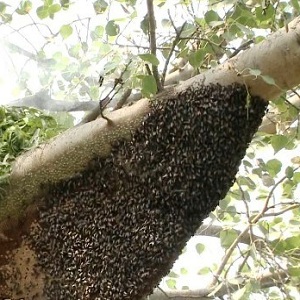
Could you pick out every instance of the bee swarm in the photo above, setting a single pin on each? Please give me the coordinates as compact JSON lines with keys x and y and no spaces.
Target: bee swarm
{"x":114,"y":230}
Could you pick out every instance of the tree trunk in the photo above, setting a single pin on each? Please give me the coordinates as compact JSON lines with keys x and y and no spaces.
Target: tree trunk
{"x":150,"y":183}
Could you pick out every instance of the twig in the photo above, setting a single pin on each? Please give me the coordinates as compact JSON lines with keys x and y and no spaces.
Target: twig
{"x":152,"y":40}
{"x":244,"y":46}
{"x":175,"y":42}
{"x":237,"y":240}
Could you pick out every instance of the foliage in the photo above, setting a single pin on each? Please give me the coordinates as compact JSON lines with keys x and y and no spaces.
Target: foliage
{"x":65,"y":46}
{"x":20,"y":130}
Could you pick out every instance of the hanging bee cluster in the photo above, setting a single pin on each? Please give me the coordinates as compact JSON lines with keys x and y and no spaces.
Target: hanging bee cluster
{"x":114,"y":230}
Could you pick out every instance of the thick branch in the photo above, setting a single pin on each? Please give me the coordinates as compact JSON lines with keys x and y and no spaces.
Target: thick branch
{"x":42,"y":100}
{"x":280,"y":51}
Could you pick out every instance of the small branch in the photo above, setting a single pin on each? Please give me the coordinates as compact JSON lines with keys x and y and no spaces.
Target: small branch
{"x":244,"y":46}
{"x":175,"y":42}
{"x":152,"y":38}
{"x":240,"y":236}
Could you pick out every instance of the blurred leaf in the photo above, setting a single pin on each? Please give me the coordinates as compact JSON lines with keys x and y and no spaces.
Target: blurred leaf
{"x":171,"y":283}
{"x":100,"y":6}
{"x":204,"y":271}
{"x":66,"y":31}
{"x":65,"y":4}
{"x":24,"y":7}
{"x":196,"y":58}
{"x":246,"y":181}
{"x":145,"y":24}
{"x":97,"y":32}
{"x":54,"y":8}
{"x":227,"y":237}
{"x":148,"y":85}
{"x":288,"y":189}
{"x":296,"y":5}
{"x":2,"y":7}
{"x":184,"y":271}
{"x":267,"y":180}
{"x":172,"y":274}
{"x":42,"y":12}
{"x":289,"y":172}
{"x":211,"y":16}
{"x":94,"y":92}
{"x":286,"y":244}
{"x":296,"y":177}
{"x":296,"y":160}
{"x":111,"y":28}
{"x":273,"y":166}
{"x":200,"y":248}
{"x":149,"y":58}
{"x":279,"y":142}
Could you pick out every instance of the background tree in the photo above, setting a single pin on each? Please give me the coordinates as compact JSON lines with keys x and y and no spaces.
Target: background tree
{"x":95,"y":45}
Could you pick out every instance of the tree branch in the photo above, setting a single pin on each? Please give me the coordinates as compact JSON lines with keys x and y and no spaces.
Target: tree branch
{"x":175,"y":42}
{"x":152,"y":38}
{"x":266,"y":280}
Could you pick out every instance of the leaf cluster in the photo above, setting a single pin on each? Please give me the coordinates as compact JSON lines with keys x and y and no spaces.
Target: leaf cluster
{"x":20,"y":130}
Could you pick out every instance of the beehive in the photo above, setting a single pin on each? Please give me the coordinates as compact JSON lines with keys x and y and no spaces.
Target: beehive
{"x":114,"y":230}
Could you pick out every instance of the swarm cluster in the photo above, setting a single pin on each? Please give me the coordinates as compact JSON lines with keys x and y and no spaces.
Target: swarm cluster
{"x":112,"y":231}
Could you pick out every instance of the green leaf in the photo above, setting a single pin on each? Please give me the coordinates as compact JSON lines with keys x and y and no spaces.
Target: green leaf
{"x":286,"y":245}
{"x":6,"y":18}
{"x":148,"y":85}
{"x":172,"y":274}
{"x":54,"y":8}
{"x":288,"y":189}
{"x":94,"y":92}
{"x":2,"y":7}
{"x":66,"y":31}
{"x":211,"y":16}
{"x":145,"y":24}
{"x":65,"y":4}
{"x":42,"y":12}
{"x":184,"y":271}
{"x":227,"y":237}
{"x":204,"y":271}
{"x":296,"y":177}
{"x":273,"y":166}
{"x":48,"y":2}
{"x":289,"y":172}
{"x":200,"y":248}
{"x":279,"y":142}
{"x":171,"y":283}
{"x":97,"y":32}
{"x":196,"y":58}
{"x":111,"y":28}
{"x":150,"y":58}
{"x":100,"y":6}
{"x":24,"y":8}
{"x":246,"y":181}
